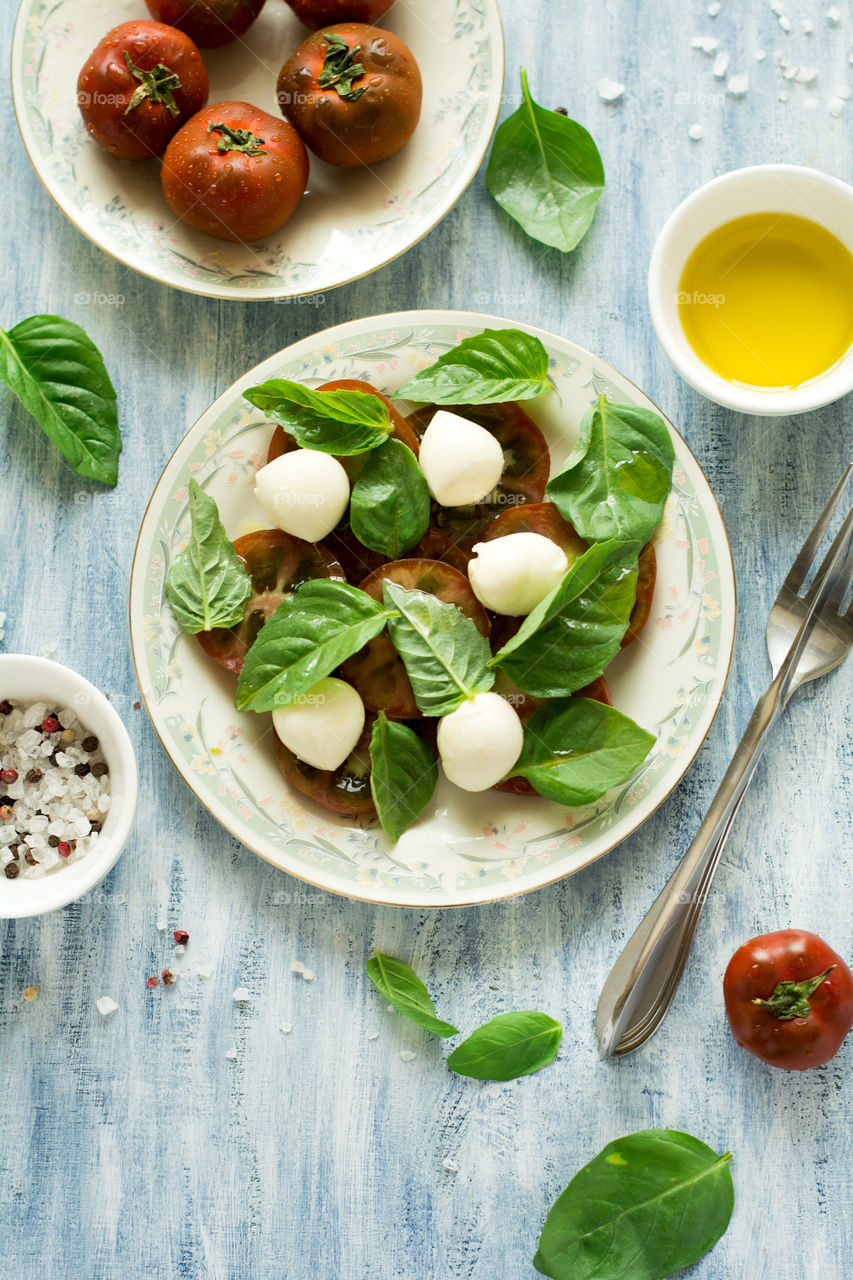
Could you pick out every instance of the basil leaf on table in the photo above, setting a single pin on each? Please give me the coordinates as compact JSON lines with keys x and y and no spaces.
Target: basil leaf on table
{"x":389,"y":504}
{"x":492,"y":366}
{"x":616,"y":482}
{"x":341,"y":422}
{"x":571,"y":635}
{"x":59,"y":376}
{"x":546,"y":173}
{"x":508,"y":1046}
{"x":208,"y":583}
{"x":403,"y":989}
{"x":647,"y":1206}
{"x":445,"y":656}
{"x":322,"y":624}
{"x":576,"y":749}
{"x":403,"y":774}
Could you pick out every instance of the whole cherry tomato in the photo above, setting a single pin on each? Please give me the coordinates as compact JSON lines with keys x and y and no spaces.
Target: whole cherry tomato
{"x":138,"y":86}
{"x":320,"y":13}
{"x":235,"y":172}
{"x":353,"y":92}
{"x":211,"y":23}
{"x":789,"y":999}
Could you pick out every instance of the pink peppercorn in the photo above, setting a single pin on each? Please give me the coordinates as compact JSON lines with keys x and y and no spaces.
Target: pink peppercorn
{"x":49,"y":725}
{"x":181,"y":937}
{"x":64,"y":849}
{"x":152,"y":982}
{"x":168,"y":977}
{"x":8,"y":775}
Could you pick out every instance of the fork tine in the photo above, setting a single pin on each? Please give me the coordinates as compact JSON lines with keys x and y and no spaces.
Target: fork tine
{"x":836,"y":561}
{"x":809,"y":549}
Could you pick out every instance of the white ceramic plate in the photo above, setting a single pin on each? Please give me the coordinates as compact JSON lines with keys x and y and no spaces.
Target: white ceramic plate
{"x":349,"y":223}
{"x":466,"y":848}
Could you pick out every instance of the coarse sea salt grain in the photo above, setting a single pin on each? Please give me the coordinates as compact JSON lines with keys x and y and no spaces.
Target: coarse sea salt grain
{"x":714,"y":8}
{"x":609,"y":90}
{"x":721,"y":65}
{"x":833,"y":15}
{"x":696,"y":132}
{"x":449,"y":1166}
{"x":241,"y":994}
{"x":406,"y":1055}
{"x":105,"y":1006}
{"x":231,"y":1054}
{"x":738,"y":85}
{"x":708,"y":44}
{"x":47,"y":805}
{"x":836,"y":107}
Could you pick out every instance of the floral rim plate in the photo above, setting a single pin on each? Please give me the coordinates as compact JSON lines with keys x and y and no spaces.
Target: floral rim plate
{"x":466,"y":848}
{"x":350,"y":223}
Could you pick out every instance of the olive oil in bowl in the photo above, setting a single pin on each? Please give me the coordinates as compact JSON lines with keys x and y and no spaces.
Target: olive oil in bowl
{"x":767,"y":300}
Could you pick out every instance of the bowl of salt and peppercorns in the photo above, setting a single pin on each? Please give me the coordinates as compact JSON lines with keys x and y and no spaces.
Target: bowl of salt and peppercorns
{"x":68,"y":785}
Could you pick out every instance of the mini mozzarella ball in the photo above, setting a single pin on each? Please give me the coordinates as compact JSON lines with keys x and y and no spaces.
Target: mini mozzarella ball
{"x":323,"y":725}
{"x":480,"y":741}
{"x":461,"y":460}
{"x":303,"y":492}
{"x":511,"y":575}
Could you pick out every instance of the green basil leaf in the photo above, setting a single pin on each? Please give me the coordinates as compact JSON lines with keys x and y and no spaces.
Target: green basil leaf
{"x":616,"y":482}
{"x":322,"y":624}
{"x":571,"y":635}
{"x":403,"y":989}
{"x":208,"y":584}
{"x":576,"y":749}
{"x":340,"y":422}
{"x":508,"y":1046}
{"x":445,"y":656}
{"x":647,"y":1206}
{"x":59,"y":376}
{"x":495,"y":365}
{"x":389,"y":505}
{"x":545,"y":171}
{"x":403,"y":774}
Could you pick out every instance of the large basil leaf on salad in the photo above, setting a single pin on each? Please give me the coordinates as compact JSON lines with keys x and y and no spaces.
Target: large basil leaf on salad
{"x":648,"y":1205}
{"x":403,"y":774}
{"x":321,"y":625}
{"x":341,"y":422}
{"x":492,"y":366}
{"x":208,"y":584}
{"x":403,"y":989}
{"x":571,"y":635}
{"x":58,"y":374}
{"x":545,"y":171}
{"x":616,"y":482}
{"x":445,"y":656}
{"x":508,"y":1046}
{"x":576,"y":749}
{"x":389,"y":505}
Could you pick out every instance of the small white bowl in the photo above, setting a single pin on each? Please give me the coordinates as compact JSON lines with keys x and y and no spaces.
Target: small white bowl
{"x":24,"y":679}
{"x":766,"y":188}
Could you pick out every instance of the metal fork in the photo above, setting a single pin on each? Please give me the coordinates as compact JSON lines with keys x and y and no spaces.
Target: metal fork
{"x":807,"y":636}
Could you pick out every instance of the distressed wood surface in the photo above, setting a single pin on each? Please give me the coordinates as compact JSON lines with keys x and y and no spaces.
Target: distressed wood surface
{"x":135,"y":1146}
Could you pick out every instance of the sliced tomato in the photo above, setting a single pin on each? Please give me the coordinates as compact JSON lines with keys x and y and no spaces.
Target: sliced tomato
{"x":283,"y":443}
{"x":345,"y":790}
{"x":525,"y":704}
{"x":647,"y":573}
{"x":278,"y":563}
{"x":377,"y":670}
{"x":542,"y":518}
{"x":436,"y":544}
{"x":527,"y":464}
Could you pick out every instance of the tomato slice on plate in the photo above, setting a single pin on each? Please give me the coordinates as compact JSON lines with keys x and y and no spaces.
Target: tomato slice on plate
{"x":525,"y":704}
{"x":345,"y":790}
{"x":542,"y":518}
{"x":377,"y":670}
{"x":283,"y":443}
{"x":437,"y":545}
{"x":647,"y":573}
{"x":278,"y":563}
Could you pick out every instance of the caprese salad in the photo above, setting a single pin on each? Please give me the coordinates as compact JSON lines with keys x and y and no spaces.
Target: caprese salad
{"x":428,"y":593}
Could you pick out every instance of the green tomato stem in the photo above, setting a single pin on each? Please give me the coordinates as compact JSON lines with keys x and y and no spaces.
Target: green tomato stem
{"x":791,"y":999}
{"x":340,"y":68}
{"x":157,"y":85}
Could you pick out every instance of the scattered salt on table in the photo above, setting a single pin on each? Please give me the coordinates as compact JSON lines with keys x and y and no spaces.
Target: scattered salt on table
{"x":231,"y":1054}
{"x":738,"y":85}
{"x":105,"y":1006}
{"x":609,"y":90}
{"x":241,"y":994}
{"x":696,"y":132}
{"x":721,"y":65}
{"x":449,"y":1166}
{"x":406,"y":1055}
{"x":286,"y":1028}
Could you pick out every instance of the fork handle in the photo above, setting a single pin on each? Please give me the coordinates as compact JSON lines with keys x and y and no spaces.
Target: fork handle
{"x":643,"y":981}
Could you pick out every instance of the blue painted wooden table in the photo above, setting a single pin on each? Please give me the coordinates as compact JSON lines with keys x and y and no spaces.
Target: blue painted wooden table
{"x":321,"y":1148}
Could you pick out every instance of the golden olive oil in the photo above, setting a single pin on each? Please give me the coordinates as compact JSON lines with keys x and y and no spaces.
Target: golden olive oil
{"x":767,"y":300}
